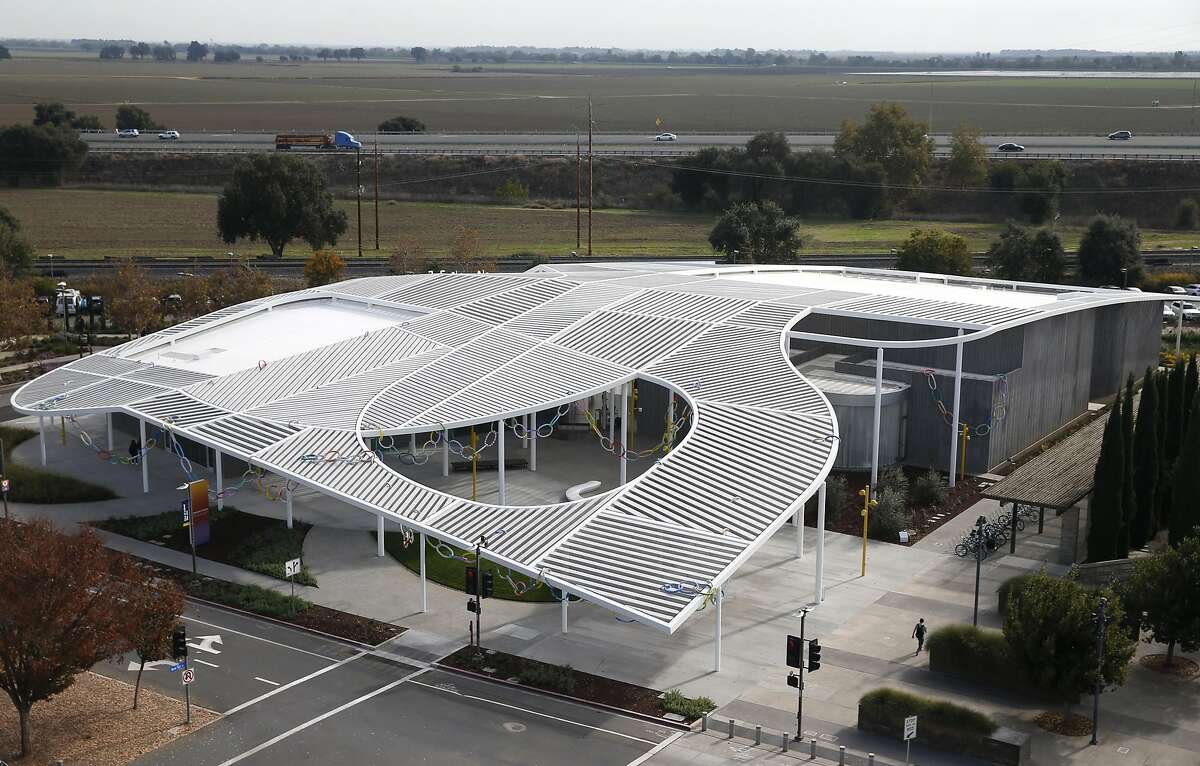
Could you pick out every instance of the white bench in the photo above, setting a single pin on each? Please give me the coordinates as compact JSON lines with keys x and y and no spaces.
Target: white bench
{"x":576,"y":492}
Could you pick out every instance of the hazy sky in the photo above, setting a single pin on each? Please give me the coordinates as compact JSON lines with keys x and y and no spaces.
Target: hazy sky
{"x":895,"y":25}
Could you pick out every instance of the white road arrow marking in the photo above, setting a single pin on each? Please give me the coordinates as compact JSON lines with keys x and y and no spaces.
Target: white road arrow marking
{"x":152,"y":665}
{"x":206,"y":644}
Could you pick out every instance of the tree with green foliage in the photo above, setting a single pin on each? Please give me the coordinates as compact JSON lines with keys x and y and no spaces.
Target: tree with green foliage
{"x":324,"y":267}
{"x":16,"y":255}
{"x":1128,"y":498}
{"x":1105,"y":509}
{"x":1164,"y":589}
{"x":419,"y":54}
{"x":112,"y":52}
{"x":164,"y":52}
{"x":1146,"y":456}
{"x":38,"y":153}
{"x":139,"y":50}
{"x":1040,"y":186}
{"x":54,"y":113}
{"x":1027,"y":256}
{"x":968,"y":163}
{"x":769,"y":144}
{"x":131,"y":117}
{"x":1187,"y":214}
{"x":1050,"y":630}
{"x":1110,"y":244}
{"x":197,"y":51}
{"x":1176,"y":416}
{"x":278,"y":199}
{"x":934,"y":251}
{"x":1185,"y":490}
{"x":756,"y":232}
{"x":401,"y":124}
{"x":892,"y":139}
{"x":4,"y":53}
{"x":1191,"y":379}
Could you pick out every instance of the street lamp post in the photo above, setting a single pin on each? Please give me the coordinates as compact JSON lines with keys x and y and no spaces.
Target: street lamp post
{"x":1124,"y":277}
{"x":1101,"y":620}
{"x":979,"y":523}
{"x":51,"y":257}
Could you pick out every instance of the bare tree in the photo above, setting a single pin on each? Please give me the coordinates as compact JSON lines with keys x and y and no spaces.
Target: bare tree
{"x":407,"y":256}
{"x":465,"y":248}
{"x":132,"y":300}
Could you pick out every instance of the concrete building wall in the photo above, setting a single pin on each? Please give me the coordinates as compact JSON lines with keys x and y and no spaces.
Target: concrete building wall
{"x":1130,"y":343}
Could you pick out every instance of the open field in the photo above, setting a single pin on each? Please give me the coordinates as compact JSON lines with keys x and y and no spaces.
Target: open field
{"x":357,"y":96}
{"x":95,"y":224}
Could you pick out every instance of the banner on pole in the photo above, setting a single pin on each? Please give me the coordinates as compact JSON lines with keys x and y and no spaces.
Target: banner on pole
{"x":198,"y":503}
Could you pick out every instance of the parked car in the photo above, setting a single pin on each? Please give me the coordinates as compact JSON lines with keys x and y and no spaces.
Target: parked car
{"x":1120,"y":135}
{"x":1175,"y":290}
{"x":666,"y":137}
{"x":169,"y":135}
{"x":1192,"y":289}
{"x":1010,"y":147}
{"x":1132,"y":289}
{"x":128,"y":133}
{"x":1168,"y":314}
{"x":1190,"y":312}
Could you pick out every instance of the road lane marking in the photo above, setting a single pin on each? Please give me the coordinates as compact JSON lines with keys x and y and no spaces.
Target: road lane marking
{"x":266,"y":681}
{"x":204,"y":662}
{"x":655,"y":750}
{"x":442,"y":689}
{"x":290,"y":684}
{"x":322,"y":717}
{"x":258,"y":638}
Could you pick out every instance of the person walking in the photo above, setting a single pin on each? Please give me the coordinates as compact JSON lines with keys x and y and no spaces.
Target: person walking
{"x":135,"y":451}
{"x":919,"y":634}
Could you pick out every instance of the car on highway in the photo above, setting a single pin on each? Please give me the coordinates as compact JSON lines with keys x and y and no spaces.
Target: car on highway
{"x":1010,"y":147}
{"x":169,"y":135}
{"x":1175,"y":290}
{"x":1120,"y":135}
{"x":1192,"y":289}
{"x":666,"y":137}
{"x":127,"y":133}
{"x":1191,"y":313}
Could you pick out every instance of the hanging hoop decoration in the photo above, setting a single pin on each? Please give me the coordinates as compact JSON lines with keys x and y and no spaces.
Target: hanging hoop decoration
{"x":262,"y":364}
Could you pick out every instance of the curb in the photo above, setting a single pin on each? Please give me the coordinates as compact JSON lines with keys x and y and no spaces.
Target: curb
{"x":566,"y":697}
{"x":292,"y":625}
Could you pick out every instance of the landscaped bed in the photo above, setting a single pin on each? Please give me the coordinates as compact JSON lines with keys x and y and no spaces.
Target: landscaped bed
{"x":241,"y":539}
{"x":451,"y":572}
{"x":564,"y":679}
{"x":280,"y":606}
{"x":38,"y":486}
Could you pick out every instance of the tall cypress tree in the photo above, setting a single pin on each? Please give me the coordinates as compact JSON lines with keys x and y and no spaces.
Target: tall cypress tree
{"x":1185,"y":494}
{"x":1175,"y":414}
{"x":1160,"y":379}
{"x":1104,"y":510}
{"x":1190,"y":379}
{"x":1128,"y":502}
{"x":1146,"y":451}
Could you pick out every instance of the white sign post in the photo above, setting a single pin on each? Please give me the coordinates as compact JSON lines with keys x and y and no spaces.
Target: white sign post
{"x":910,"y":733}
{"x":291,"y":568}
{"x":189,"y":676}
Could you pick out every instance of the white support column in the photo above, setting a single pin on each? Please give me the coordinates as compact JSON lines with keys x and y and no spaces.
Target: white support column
{"x":624,"y":432}
{"x":525,"y":438}
{"x":1178,"y":333}
{"x":533,"y":440}
{"x":612,"y":414}
{"x":875,"y":430}
{"x":289,"y":507}
{"x":379,"y":551}
{"x":424,"y":590}
{"x":446,"y":452}
{"x":412,"y":443}
{"x":958,"y":361}
{"x":108,"y":425}
{"x":42,"y":437}
{"x":798,"y":520}
{"x":819,"y":583}
{"x":565,"y":600}
{"x":500,"y":460}
{"x":145,"y":456}
{"x":220,"y":483}
{"x":717,"y":599}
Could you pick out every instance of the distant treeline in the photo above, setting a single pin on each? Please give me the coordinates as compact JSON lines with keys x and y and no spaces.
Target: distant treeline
{"x":1014,"y":59}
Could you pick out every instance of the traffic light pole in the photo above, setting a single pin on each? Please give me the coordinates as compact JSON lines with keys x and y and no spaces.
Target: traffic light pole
{"x":800,"y":684}
{"x":482,"y":541}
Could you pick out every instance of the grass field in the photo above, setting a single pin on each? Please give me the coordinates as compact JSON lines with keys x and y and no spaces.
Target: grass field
{"x":357,"y":96}
{"x":94,"y":224}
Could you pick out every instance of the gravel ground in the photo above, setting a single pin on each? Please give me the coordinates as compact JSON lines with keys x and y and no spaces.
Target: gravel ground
{"x":93,"y":724}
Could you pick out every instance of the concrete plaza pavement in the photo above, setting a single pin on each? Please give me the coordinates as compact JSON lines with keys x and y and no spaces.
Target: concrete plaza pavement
{"x":864,"y":623}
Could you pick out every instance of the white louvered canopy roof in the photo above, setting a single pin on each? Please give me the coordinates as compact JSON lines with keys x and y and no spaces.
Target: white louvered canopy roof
{"x":435,"y":351}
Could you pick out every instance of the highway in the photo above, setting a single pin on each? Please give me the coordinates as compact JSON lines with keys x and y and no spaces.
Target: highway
{"x":1080,"y":146}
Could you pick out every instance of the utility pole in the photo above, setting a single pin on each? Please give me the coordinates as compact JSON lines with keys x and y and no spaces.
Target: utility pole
{"x":358,"y":194}
{"x":590,"y":186}
{"x":376,"y":191}
{"x":578,"y":195}
{"x":980,"y":523}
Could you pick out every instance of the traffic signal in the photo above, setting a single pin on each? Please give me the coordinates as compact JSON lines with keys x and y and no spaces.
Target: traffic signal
{"x":488,"y":584}
{"x":472,"y":606}
{"x":793,"y":680}
{"x":814,"y":656}
{"x":471,"y":583}
{"x":795,"y":652}
{"x":179,"y":643}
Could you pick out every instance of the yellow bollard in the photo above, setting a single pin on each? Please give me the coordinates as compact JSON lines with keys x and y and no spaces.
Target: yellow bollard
{"x":966,"y":437}
{"x":868,"y":504}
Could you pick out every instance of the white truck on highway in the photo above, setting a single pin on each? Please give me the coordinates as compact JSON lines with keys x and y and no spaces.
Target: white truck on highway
{"x":337,"y":141}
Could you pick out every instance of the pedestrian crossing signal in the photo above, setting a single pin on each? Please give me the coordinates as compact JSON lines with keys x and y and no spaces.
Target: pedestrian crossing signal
{"x":795,"y":652}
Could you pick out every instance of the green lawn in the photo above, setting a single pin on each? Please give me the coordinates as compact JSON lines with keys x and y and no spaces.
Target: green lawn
{"x":451,"y":572}
{"x":38,"y":486}
{"x":244,"y":540}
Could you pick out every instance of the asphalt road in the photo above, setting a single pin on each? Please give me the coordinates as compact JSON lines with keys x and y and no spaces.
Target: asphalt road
{"x":434,"y":143}
{"x":289,"y":696}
